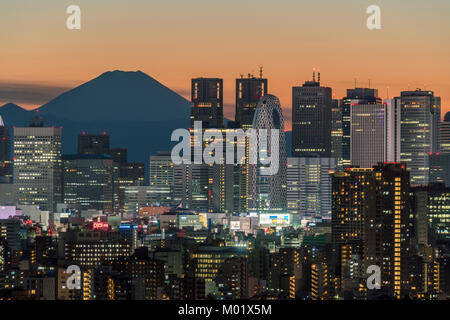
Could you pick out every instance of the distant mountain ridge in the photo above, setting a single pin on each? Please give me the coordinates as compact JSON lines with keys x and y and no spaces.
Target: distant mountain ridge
{"x":119,"y":96}
{"x":138,"y":113}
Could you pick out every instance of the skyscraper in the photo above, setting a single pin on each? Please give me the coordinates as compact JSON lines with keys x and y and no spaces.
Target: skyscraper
{"x":309,"y":186}
{"x":311,"y":120}
{"x":88,"y":181}
{"x":93,"y":143}
{"x":162,"y":178}
{"x":445,"y":134}
{"x":207,"y":102}
{"x":248,"y":92}
{"x":267,"y":190}
{"x":5,"y":156}
{"x":336,"y":131}
{"x":368,"y":137}
{"x":371,"y":220}
{"x":352,"y":94}
{"x":420,"y":120}
{"x":37,"y":165}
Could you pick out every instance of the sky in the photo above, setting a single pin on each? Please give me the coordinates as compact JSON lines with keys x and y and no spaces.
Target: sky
{"x":176,"y":40}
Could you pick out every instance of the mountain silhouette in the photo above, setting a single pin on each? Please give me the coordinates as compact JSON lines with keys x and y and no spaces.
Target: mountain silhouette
{"x":138,"y":113}
{"x":119,"y":96}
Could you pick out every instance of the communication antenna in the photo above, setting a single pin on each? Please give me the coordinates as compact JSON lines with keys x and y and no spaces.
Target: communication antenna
{"x":261,"y":71}
{"x":318,"y":75}
{"x":314,"y":74}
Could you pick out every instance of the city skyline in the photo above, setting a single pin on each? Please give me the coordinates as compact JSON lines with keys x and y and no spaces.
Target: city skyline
{"x":304,"y":35}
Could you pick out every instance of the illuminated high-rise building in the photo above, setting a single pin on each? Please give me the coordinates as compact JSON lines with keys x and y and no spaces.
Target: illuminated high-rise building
{"x":352,"y":94}
{"x":368,"y":133}
{"x":162,"y":178}
{"x":5,"y":156}
{"x":420,"y":120}
{"x":37,"y":165}
{"x":267,"y":186}
{"x":311,"y":120}
{"x":336,"y":132}
{"x":309,"y":186}
{"x":207,"y":102}
{"x":88,"y":181}
{"x":445,"y":134}
{"x":371,"y":221}
{"x":248,"y":92}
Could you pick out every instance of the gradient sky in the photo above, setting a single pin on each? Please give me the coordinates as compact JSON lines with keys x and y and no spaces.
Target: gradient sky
{"x":175,"y":40}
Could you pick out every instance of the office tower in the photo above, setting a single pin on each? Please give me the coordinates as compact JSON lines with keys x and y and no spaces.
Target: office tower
{"x":119,"y":155}
{"x":89,"y":249}
{"x":434,"y":210}
{"x":229,"y":182}
{"x":311,"y":120}
{"x":420,"y":119}
{"x":137,"y":197}
{"x":88,"y":181}
{"x":445,"y":134}
{"x":388,"y":228}
{"x":368,"y":136}
{"x":370,"y":221}
{"x":194,"y":186}
{"x":336,"y":131}
{"x":37,"y":165}
{"x":130,"y":174}
{"x":439,"y":168}
{"x":207,"y":102}
{"x":126,"y":174}
{"x":5,"y":156}
{"x":309,"y":186}
{"x":267,"y":188}
{"x":93,"y":143}
{"x":352,"y":94}
{"x":10,"y":231}
{"x":248,"y":92}
{"x":162,"y":179}
{"x":393,"y":115}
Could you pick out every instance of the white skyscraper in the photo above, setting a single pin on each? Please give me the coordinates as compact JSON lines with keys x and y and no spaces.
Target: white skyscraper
{"x":37,"y":166}
{"x":368,"y":138}
{"x":267,"y":192}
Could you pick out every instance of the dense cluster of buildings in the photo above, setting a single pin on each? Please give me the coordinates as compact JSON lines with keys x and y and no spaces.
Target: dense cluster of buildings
{"x":367,"y":185}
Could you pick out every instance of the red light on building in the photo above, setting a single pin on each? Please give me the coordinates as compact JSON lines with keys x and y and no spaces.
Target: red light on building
{"x":102,"y":226}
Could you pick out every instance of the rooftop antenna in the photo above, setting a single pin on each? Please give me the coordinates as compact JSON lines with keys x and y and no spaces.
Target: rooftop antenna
{"x":261,"y":71}
{"x":318,"y":76}
{"x":242,"y":75}
{"x":314,"y":74}
{"x":249,"y":75}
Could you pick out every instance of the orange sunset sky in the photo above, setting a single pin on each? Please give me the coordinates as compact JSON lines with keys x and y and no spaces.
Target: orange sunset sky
{"x":175,"y":40}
